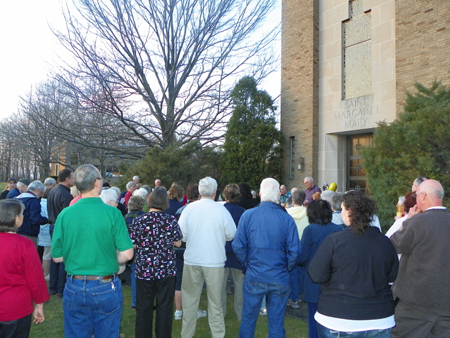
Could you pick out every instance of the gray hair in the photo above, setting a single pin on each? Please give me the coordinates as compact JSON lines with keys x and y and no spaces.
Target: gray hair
{"x":136,"y":203}
{"x":207,"y":186}
{"x":336,"y":201}
{"x":327,"y":195}
{"x":74,"y":191}
{"x":20,"y":184}
{"x":419,"y":180}
{"x":146,"y":187}
{"x":140,"y":192}
{"x":117,"y":190}
{"x":49,"y":181}
{"x":135,"y":178}
{"x":298,"y":197}
{"x":36,"y":186}
{"x":85,"y":177}
{"x":130,"y":185}
{"x":108,"y":195}
{"x":269,"y":190}
{"x":310,"y":179}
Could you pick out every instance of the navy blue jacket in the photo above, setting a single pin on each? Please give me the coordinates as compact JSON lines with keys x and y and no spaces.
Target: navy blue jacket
{"x":266,"y":243}
{"x":13,"y":193}
{"x":312,"y":238}
{"x":32,"y":219}
{"x":236,"y":212}
{"x":174,"y":205}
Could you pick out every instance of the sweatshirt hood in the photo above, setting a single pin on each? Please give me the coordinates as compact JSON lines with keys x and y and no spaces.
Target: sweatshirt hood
{"x":297,"y":212}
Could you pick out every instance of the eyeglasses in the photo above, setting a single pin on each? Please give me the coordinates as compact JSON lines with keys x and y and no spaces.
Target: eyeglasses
{"x":418,"y":193}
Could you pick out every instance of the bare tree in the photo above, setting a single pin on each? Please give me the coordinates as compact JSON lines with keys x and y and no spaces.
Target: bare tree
{"x":172,"y":62}
{"x":7,"y":150}
{"x":41,"y":111}
{"x":57,"y":127}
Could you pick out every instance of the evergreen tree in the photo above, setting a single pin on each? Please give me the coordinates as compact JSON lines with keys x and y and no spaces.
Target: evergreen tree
{"x":252,"y":148}
{"x":416,"y":144}
{"x":183,"y":164}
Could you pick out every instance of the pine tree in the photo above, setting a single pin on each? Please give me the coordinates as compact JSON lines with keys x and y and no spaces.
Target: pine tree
{"x":252,"y":148}
{"x":416,"y":144}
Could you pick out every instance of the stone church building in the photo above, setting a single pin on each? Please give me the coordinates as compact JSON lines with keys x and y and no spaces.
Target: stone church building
{"x":345,"y":65}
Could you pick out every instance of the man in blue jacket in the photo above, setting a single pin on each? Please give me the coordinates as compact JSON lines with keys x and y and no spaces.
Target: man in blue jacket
{"x":267,"y":245}
{"x":32,"y":219}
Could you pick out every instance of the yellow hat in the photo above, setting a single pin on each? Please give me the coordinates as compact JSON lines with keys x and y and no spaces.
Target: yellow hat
{"x":333,"y":187}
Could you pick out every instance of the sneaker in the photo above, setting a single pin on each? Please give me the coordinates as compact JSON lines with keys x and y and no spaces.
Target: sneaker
{"x":201,"y":314}
{"x":263,"y":312}
{"x":178,"y":315}
{"x":47,"y":278}
{"x":293,"y":303}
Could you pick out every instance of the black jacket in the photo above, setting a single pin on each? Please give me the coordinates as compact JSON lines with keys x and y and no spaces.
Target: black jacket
{"x":355,"y":272}
{"x":58,"y":199}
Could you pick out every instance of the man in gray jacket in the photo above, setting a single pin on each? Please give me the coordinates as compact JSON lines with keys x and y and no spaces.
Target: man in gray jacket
{"x":423,"y":282}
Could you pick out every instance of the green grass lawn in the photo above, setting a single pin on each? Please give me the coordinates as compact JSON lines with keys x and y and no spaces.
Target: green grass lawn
{"x":52,"y":327}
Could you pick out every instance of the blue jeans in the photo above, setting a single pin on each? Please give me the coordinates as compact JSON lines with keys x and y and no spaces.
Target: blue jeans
{"x":92,"y":308}
{"x":277,"y":296}
{"x":328,"y":333}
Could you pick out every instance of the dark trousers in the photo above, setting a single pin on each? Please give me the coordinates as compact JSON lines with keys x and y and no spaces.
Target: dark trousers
{"x":57,"y":278}
{"x":312,"y":324}
{"x":57,"y":273}
{"x":146,"y":292}
{"x":413,"y":321}
{"x":19,"y":328}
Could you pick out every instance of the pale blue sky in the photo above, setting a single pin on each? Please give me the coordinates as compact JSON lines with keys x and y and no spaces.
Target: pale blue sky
{"x":28,"y":48}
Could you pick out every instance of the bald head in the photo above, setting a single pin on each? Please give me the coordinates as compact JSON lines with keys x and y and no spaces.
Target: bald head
{"x":429,"y":194}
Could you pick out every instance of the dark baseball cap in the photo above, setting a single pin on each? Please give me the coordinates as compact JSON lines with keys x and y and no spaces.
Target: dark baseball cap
{"x":25,"y":181}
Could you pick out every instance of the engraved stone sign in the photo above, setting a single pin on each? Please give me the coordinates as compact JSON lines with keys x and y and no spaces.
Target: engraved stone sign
{"x":357,"y":113}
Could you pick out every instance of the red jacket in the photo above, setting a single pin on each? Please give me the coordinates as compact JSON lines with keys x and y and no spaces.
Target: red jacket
{"x":22,"y":280}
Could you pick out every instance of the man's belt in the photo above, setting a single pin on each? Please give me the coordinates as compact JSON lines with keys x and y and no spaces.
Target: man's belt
{"x":103,"y":278}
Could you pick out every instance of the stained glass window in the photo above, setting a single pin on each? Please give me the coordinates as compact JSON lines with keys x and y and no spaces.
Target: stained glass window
{"x":357,"y":52}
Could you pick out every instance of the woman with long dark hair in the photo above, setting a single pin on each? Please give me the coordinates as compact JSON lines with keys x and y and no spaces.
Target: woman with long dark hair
{"x":355,"y":267}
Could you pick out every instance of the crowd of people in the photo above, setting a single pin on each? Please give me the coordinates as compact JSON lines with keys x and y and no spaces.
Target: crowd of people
{"x":279,"y":248}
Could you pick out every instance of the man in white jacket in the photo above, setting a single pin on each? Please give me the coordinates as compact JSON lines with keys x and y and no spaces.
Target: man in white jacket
{"x":206,"y":226}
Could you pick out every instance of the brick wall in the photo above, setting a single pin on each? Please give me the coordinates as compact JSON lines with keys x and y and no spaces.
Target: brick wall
{"x":299,"y":86}
{"x":422,"y":44}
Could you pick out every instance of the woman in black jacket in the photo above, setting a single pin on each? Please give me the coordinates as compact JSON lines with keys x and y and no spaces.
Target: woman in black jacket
{"x":355,"y":267}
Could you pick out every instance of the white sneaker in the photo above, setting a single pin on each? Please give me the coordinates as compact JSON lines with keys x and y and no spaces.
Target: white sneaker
{"x":201,"y":314}
{"x":263,"y":312}
{"x":47,"y":278}
{"x":178,"y":315}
